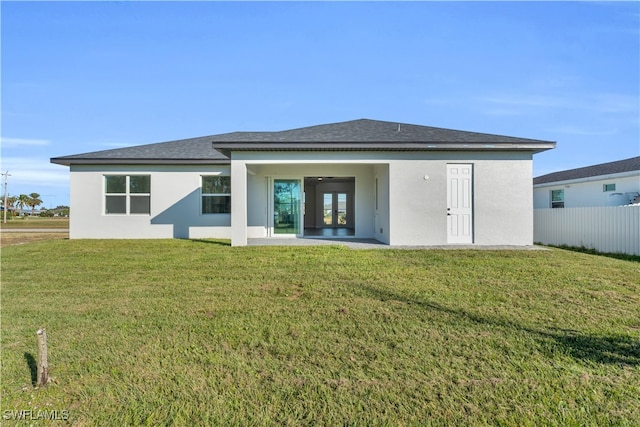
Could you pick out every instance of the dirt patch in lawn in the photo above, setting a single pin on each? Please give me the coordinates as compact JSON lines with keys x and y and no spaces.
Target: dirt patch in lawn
{"x":10,"y":239}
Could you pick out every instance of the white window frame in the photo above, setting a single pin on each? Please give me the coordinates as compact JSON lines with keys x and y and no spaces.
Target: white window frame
{"x":609,"y":187}
{"x":127,"y":194}
{"x":557,"y":203}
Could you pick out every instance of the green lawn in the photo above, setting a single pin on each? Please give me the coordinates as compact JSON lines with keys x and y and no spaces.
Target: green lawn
{"x":35,"y":222}
{"x":179,"y":332}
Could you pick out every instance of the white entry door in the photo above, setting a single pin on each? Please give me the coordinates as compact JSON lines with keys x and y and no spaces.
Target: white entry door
{"x":460,"y":203}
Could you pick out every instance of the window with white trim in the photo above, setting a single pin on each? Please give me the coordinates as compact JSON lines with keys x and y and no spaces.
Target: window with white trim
{"x":608,"y":187}
{"x":127,"y":194}
{"x":557,"y":198}
{"x":216,"y":194}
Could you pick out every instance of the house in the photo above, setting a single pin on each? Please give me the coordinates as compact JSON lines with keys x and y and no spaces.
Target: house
{"x":400,"y":184}
{"x":606,"y":184}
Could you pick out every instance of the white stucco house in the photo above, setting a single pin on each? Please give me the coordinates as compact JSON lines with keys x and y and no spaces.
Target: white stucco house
{"x":398,"y":183}
{"x":606,"y":184}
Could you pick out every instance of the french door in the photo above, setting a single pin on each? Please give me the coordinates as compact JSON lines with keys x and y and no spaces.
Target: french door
{"x":334,"y":205}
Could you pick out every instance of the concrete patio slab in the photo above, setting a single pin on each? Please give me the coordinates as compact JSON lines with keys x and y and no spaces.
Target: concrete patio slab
{"x":354,"y":243}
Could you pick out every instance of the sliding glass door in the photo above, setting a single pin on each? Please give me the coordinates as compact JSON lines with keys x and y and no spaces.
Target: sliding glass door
{"x":287,"y":203}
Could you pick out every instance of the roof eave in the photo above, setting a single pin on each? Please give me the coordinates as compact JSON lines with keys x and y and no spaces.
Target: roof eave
{"x":88,"y":161}
{"x":227,"y":148}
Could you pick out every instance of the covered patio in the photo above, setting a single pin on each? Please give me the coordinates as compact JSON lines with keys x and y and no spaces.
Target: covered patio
{"x":311,"y":195}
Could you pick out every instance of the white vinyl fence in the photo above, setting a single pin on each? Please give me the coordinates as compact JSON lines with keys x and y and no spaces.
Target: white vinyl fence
{"x":614,"y":229}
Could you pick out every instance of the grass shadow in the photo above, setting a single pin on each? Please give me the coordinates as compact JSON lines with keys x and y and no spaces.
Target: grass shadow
{"x":621,"y":350}
{"x":212,"y":241}
{"x":589,"y":251}
{"x":33,"y":367}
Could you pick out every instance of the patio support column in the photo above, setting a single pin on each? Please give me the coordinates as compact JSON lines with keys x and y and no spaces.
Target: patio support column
{"x":238,"y":203}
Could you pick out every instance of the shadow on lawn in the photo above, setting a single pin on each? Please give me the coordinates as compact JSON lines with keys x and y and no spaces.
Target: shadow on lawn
{"x":33,"y":368}
{"x":213,"y":242}
{"x":615,"y":255}
{"x":622,"y":350}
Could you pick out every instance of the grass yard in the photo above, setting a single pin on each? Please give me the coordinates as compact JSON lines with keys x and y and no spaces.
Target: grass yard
{"x":35,"y":222}
{"x":179,"y":332}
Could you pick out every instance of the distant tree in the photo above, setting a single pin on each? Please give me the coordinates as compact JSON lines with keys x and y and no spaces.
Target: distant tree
{"x":23,"y":200}
{"x":34,"y":201}
{"x":62,"y":210}
{"x":11,"y":204}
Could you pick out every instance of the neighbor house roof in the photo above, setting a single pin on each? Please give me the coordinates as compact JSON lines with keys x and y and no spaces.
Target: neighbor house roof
{"x":360,"y":135}
{"x":620,"y":166}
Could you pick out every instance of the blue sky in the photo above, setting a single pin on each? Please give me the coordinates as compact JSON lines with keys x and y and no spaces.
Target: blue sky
{"x":87,"y":76}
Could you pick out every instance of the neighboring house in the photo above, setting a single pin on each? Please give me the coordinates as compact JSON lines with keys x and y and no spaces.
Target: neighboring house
{"x":398,"y":183}
{"x":606,"y":184}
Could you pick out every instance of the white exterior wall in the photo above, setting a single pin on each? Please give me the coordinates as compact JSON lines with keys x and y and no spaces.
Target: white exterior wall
{"x":418,"y":207}
{"x":406,"y":209}
{"x":175,"y":204}
{"x":381,"y":203}
{"x":502,"y":198}
{"x":411,"y":210}
{"x":589,"y":191}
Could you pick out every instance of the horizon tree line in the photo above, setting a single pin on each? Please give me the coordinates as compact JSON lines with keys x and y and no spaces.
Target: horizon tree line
{"x":21,"y":201}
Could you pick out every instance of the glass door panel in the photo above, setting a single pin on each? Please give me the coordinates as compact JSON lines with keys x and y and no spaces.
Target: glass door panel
{"x":286,"y":206}
{"x":341,"y":209}
{"x":328,"y":209}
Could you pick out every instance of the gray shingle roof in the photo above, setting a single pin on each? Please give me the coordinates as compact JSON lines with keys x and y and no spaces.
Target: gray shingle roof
{"x":626,"y":165}
{"x":193,"y":150}
{"x":365,"y":134}
{"x":362,"y":134}
{"x":365,"y":130}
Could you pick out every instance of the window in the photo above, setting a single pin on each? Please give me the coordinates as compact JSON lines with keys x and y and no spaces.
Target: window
{"x":216,"y":194}
{"x":127,"y":194}
{"x":608,"y":187}
{"x":557,"y":198}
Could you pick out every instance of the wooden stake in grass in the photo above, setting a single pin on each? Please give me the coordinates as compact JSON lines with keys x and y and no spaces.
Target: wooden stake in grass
{"x":43,"y":365}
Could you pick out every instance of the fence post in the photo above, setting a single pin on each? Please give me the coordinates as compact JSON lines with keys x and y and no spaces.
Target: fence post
{"x":43,"y":365}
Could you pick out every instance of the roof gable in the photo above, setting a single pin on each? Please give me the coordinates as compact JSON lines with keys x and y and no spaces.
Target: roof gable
{"x":620,"y":166}
{"x":362,"y":134}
